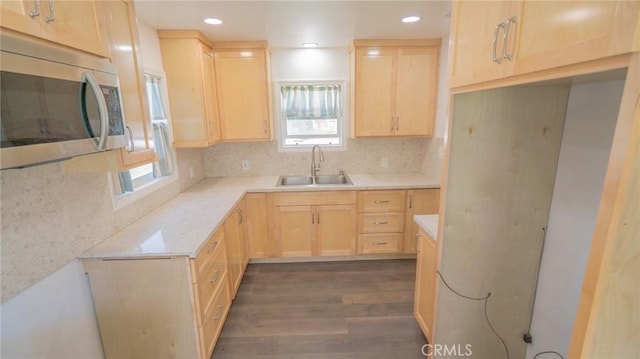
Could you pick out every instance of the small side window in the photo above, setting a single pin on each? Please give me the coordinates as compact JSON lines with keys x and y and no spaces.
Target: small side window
{"x":138,"y":177}
{"x":311,"y":114}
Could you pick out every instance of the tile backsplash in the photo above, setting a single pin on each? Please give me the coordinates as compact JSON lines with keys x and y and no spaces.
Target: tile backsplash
{"x":407,"y":155}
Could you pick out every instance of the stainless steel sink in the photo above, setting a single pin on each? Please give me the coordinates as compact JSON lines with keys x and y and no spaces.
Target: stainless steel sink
{"x":319,"y":180}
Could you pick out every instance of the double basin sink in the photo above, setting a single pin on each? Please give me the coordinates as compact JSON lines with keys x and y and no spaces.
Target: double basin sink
{"x":319,"y":180}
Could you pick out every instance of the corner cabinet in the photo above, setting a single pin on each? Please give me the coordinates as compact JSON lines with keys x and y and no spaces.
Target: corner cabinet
{"x":395,"y":87}
{"x":124,"y":46}
{"x":494,"y":40}
{"x":76,"y":24}
{"x":171,"y":307}
{"x":419,"y":201}
{"x":235,"y":233}
{"x":426,"y":283}
{"x":314,"y":223}
{"x":187,"y":58}
{"x":243,"y":85}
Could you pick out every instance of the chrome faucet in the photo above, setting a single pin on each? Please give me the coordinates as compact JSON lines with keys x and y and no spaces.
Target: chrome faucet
{"x":315,"y":166}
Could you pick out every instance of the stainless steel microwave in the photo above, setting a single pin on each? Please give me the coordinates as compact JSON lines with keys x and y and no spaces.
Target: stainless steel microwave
{"x":55,"y":104}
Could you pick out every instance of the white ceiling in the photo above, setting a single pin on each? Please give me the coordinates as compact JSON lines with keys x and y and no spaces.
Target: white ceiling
{"x":291,"y":23}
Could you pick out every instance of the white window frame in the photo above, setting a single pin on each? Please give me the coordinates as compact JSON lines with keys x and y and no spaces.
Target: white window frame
{"x":343,"y":127}
{"x":120,"y":200}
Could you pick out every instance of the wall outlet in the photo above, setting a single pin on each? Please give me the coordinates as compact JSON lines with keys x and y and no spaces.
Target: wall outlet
{"x":384,"y":162}
{"x":245,"y":165}
{"x":192,"y":172}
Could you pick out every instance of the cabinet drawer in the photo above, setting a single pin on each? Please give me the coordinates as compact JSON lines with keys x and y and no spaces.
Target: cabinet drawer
{"x":380,"y":222}
{"x":379,"y":243}
{"x":381,"y":201}
{"x":210,"y":280}
{"x":209,"y":252}
{"x":314,"y":198}
{"x":210,"y":331}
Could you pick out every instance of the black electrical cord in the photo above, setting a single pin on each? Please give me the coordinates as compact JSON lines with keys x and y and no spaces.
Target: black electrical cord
{"x":486,"y":316}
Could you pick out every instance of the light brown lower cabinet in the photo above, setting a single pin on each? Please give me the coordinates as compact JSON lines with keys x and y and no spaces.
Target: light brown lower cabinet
{"x":380,"y":221}
{"x":419,"y":201}
{"x":426,"y":283}
{"x":162,"y":307}
{"x":235,"y":233}
{"x":309,"y":224}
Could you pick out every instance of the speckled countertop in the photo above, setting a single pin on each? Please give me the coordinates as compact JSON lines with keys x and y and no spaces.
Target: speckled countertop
{"x":181,"y":226}
{"x":428,"y":222}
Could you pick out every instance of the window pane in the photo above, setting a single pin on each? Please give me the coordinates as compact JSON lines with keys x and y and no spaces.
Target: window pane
{"x":311,"y":114}
{"x":312,"y":127}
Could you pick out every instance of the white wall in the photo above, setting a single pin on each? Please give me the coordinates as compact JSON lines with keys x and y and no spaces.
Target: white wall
{"x":588,"y":132}
{"x":54,"y":319}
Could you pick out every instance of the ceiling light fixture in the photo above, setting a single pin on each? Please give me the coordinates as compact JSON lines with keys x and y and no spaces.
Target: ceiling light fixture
{"x":409,"y":19}
{"x":213,"y":21}
{"x":310,"y":44}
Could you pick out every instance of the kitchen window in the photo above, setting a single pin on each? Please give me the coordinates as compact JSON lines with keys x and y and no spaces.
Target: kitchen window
{"x":311,"y":114}
{"x":133,"y":180}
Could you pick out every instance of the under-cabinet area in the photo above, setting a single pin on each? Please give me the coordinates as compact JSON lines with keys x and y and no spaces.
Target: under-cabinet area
{"x":360,"y":222}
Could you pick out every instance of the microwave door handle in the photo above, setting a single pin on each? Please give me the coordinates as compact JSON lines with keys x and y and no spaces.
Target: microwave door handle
{"x":102,"y":108}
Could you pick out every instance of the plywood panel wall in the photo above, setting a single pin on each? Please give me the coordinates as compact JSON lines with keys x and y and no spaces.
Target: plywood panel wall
{"x":501,"y":170}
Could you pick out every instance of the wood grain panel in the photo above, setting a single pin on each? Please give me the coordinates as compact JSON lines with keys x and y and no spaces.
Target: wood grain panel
{"x":501,"y":170}
{"x":118,"y":299}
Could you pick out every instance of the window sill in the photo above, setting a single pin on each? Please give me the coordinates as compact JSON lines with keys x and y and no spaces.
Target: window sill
{"x":121,"y":201}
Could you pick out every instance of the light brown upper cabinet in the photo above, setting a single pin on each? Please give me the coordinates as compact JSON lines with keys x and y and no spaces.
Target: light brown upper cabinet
{"x":187,"y":58}
{"x":496,"y":39}
{"x":76,"y":24}
{"x":243,"y":85}
{"x":124,"y":46}
{"x":394,"y":87}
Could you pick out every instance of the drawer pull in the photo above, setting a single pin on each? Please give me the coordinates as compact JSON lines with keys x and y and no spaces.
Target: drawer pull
{"x":213,"y":247}
{"x":217,"y":317}
{"x":217,"y":276}
{"x":377,"y":201}
{"x":385,"y":222}
{"x":380,"y":243}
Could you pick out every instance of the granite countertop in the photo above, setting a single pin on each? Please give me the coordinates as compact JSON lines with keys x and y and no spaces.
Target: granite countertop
{"x":181,"y":226}
{"x":429,"y":223}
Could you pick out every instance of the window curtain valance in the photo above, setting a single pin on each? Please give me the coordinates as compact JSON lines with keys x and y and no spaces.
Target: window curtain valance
{"x":306,"y":102}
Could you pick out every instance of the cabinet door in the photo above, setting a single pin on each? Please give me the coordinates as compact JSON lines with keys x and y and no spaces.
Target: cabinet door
{"x":258,"y":239}
{"x":182,"y":59}
{"x":335,"y":230}
{"x":425,"y":294}
{"x":77,"y":24}
{"x":234,"y":228}
{"x":557,"y":33}
{"x":422,"y":201}
{"x":295,"y":230}
{"x":126,"y":54}
{"x":242,"y":82}
{"x":17,"y":15}
{"x":472,"y":30}
{"x":416,"y":87}
{"x":209,"y":94}
{"x":375,"y":92}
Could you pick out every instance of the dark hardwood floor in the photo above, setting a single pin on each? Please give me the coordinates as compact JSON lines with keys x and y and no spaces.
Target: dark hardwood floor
{"x":356,"y":309}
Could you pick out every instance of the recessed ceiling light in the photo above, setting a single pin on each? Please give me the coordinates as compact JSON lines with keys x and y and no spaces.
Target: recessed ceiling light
{"x":213,"y":21}
{"x":411,"y":19}
{"x":310,"y":44}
